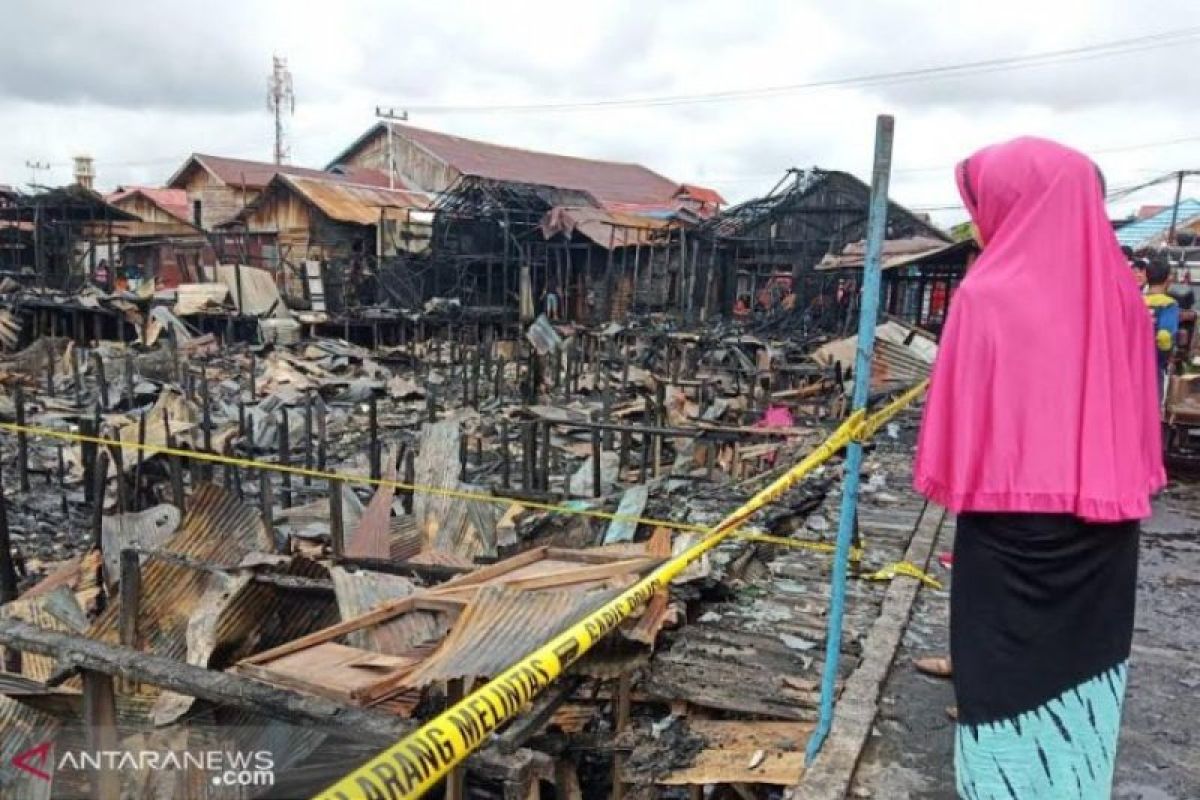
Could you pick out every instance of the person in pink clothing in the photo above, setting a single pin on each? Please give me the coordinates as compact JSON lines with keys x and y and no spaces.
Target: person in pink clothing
{"x":1041,"y":433}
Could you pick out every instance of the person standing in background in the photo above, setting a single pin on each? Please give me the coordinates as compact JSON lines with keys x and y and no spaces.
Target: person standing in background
{"x":1164,"y":310}
{"x":1041,"y":432}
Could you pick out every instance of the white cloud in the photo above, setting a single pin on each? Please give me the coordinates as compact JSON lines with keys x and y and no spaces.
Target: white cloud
{"x":140,"y":86}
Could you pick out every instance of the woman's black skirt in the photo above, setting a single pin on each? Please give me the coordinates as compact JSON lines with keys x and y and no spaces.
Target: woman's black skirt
{"x":1041,"y":620}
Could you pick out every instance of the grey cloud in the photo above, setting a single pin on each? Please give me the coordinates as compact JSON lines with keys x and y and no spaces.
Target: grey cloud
{"x":130,"y":56}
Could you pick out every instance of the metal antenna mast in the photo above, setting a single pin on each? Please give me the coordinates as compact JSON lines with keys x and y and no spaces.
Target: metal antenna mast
{"x":280,"y":99}
{"x":34,"y":168}
{"x":390,"y":115}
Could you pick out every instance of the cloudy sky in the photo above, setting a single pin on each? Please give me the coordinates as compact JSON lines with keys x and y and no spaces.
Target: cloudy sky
{"x":139,"y":86}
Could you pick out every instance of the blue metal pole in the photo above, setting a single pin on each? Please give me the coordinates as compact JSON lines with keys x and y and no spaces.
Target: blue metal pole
{"x":867,"y":318}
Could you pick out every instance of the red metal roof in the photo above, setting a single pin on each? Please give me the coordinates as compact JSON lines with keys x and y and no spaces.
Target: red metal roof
{"x":702,"y":194}
{"x":172,"y":201}
{"x":242,"y":172}
{"x":605,"y":180}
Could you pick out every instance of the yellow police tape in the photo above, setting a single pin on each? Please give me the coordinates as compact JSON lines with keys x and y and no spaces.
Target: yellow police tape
{"x":417,"y":762}
{"x":872,"y":424}
{"x":307,"y":472}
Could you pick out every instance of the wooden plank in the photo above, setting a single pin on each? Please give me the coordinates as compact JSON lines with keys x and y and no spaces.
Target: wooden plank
{"x":598,"y":572}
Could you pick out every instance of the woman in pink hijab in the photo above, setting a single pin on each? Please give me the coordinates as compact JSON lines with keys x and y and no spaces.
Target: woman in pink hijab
{"x":1041,"y":432}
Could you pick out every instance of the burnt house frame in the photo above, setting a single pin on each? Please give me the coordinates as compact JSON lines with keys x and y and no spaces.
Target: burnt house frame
{"x":52,"y":236}
{"x":785,"y":233}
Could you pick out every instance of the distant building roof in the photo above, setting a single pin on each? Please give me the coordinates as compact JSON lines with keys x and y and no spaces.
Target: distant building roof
{"x":172,"y":201}
{"x":341,"y":200}
{"x":1153,"y":230}
{"x":604,"y":180}
{"x":1145,"y":212}
{"x":257,"y":174}
{"x":701,"y":193}
{"x":896,"y":252}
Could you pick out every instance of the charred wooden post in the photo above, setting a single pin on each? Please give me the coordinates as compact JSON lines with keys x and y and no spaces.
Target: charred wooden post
{"x":462,"y":457}
{"x":527,"y":446}
{"x":544,"y":455}
{"x":50,"y":369}
{"x":233,"y":478}
{"x":266,"y":502}
{"x":322,"y":434}
{"x":22,"y":439}
{"x":173,"y":351}
{"x":250,"y":374}
{"x":606,"y":417}
{"x":410,"y":477}
{"x":130,"y":599}
{"x":174,"y":466}
{"x":337,"y":525}
{"x":430,"y":404}
{"x":623,"y":453}
{"x":87,"y":453}
{"x":117,"y":456}
{"x":129,"y":383}
{"x":620,"y":723}
{"x":100,"y":721}
{"x":206,"y":422}
{"x":373,"y":431}
{"x":308,"y":436}
{"x":596,"y":463}
{"x":100,"y":479}
{"x":625,"y":364}
{"x":476,"y":368}
{"x":8,"y":578}
{"x":101,"y":380}
{"x":646,"y":447}
{"x":505,"y":456}
{"x":77,"y":375}
{"x":285,"y":459}
{"x":498,"y":379}
{"x":141,"y":457}
{"x":61,"y":467}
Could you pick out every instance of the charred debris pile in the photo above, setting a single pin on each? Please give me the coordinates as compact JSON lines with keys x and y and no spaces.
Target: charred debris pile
{"x":445,"y":504}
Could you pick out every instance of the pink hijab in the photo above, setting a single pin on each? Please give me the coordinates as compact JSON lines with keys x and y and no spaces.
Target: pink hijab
{"x":1043,"y":396}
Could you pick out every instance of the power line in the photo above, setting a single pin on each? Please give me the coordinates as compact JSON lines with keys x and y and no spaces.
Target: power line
{"x":1046,"y":58}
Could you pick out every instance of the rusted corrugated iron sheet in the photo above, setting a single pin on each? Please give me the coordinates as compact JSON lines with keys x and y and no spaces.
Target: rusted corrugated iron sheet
{"x":372,"y":537}
{"x":407,"y":539}
{"x":55,"y":610}
{"x":21,"y":728}
{"x":501,"y":626}
{"x":359,"y":592}
{"x":238,"y":617}
{"x":349,"y":202}
{"x":609,"y":229}
{"x":218,"y":529}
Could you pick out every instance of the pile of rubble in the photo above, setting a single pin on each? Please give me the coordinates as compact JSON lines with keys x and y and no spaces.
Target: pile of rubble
{"x":309,"y":547}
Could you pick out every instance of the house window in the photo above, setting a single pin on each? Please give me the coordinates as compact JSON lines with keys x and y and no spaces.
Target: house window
{"x":196,"y":213}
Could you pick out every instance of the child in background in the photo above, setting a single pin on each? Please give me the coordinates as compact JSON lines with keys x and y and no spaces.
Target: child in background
{"x":1165,"y":312}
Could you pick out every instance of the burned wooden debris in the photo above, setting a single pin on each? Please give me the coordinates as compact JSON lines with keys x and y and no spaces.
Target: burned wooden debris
{"x":350,"y":538}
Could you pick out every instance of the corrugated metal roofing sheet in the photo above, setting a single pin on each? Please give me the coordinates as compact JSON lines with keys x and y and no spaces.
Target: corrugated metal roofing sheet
{"x":359,"y":592}
{"x":217,"y":529}
{"x":502,"y":625}
{"x":609,"y":229}
{"x":173,"y":201}
{"x":1153,"y":230}
{"x":604,"y":180}
{"x":350,"y":202}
